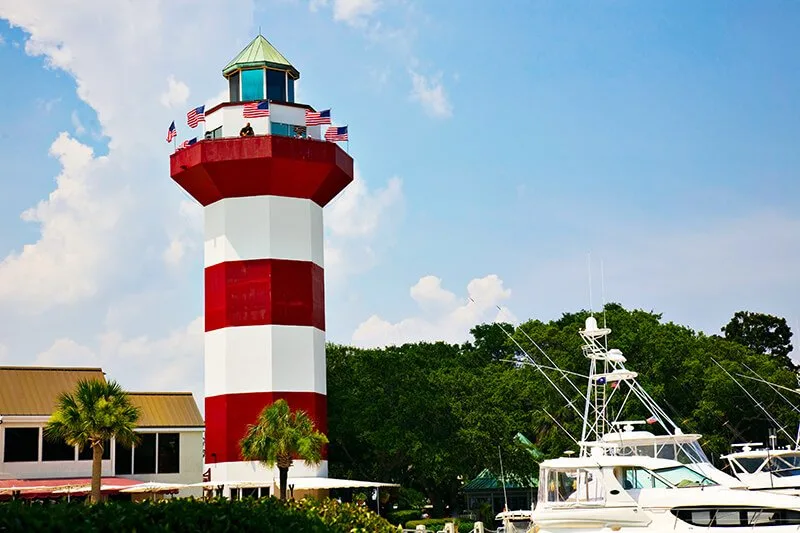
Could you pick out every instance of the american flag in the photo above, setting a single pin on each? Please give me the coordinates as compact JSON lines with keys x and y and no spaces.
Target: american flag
{"x":256,"y":109}
{"x":315,"y":119}
{"x":652,"y":420}
{"x":171,"y":132}
{"x":335,"y":133}
{"x":186,"y":144}
{"x":196,"y":116}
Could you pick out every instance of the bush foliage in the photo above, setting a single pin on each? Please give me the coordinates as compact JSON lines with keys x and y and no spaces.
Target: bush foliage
{"x":267,"y":515}
{"x":437,"y":524}
{"x":401,"y":517}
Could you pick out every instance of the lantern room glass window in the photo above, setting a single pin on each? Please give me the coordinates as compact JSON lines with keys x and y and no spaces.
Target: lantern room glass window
{"x":252,"y":85}
{"x":276,"y":85}
{"x":233,"y":87}
{"x":291,"y":90}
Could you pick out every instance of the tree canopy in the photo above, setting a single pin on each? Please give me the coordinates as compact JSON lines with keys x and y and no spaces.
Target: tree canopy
{"x":762,"y":333}
{"x":431,"y":416}
{"x":278,"y":436}
{"x":94,"y":413}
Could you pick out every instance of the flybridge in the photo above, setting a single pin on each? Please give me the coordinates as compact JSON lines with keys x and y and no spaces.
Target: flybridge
{"x":611,"y":391}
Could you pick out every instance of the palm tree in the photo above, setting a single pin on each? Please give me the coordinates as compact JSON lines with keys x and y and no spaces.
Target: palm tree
{"x":279,"y":435}
{"x":95,"y":412}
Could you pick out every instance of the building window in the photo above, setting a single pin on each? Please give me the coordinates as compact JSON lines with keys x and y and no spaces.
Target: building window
{"x":291,"y":89}
{"x":86,"y":454}
{"x":276,"y":85}
{"x":169,"y":457}
{"x":57,"y":451}
{"x":233,"y":87}
{"x":22,"y":444}
{"x":252,"y":85}
{"x":144,"y":454}
{"x":287,"y":130}
{"x":123,"y":460}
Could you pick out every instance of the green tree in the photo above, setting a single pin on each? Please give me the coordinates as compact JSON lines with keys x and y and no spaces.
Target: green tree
{"x":95,"y":412}
{"x":762,"y":333}
{"x":280,"y":434}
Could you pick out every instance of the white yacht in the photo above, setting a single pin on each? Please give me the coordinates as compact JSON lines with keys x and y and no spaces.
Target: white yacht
{"x":767,"y":468}
{"x":627,"y":480}
{"x":602,"y":493}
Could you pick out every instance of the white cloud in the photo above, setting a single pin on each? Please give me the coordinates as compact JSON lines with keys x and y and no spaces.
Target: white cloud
{"x":177,"y":357}
{"x":67,"y":352}
{"x":47,"y":106}
{"x":185,"y":233}
{"x":77,"y":124}
{"x":444,"y":316}
{"x":77,"y":220}
{"x":430,"y":93}
{"x":353,"y":12}
{"x":176,"y":94}
{"x":358,"y":211}
{"x":352,"y":222}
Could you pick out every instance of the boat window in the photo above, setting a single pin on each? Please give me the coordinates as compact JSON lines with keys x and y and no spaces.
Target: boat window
{"x":690,"y":453}
{"x":683,"y":476}
{"x":781,"y":467}
{"x":739,"y":469}
{"x":737,"y":516}
{"x":633,"y":478}
{"x":561,"y":485}
{"x":793,"y":459}
{"x":574,"y":485}
{"x":750,"y":464}
{"x":666,"y":452}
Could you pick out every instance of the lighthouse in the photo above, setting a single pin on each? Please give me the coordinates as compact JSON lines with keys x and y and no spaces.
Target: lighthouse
{"x":262,"y":195}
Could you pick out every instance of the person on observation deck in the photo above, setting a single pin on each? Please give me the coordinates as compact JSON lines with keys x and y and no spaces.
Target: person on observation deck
{"x":247,"y":131}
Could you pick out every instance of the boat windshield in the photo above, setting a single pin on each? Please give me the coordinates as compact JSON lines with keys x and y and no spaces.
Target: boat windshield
{"x":683,"y":476}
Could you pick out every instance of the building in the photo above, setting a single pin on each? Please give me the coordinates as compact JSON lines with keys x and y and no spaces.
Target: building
{"x":263,"y":195}
{"x":170,"y":449}
{"x":494,"y":493}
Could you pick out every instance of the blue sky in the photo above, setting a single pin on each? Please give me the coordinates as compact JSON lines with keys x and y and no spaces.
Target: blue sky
{"x":499,"y":152}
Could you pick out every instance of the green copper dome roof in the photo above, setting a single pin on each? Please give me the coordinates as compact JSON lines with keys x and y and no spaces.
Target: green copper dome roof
{"x":260,"y":53}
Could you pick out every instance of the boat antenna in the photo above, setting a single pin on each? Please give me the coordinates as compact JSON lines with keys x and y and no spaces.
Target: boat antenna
{"x":589,"y":264}
{"x":503,"y":479}
{"x":603,"y":300}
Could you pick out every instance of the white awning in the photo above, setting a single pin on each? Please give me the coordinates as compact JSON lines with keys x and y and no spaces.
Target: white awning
{"x":332,"y":483}
{"x":302,"y":483}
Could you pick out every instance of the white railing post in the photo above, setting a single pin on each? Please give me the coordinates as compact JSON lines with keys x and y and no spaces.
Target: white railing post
{"x":478,"y":528}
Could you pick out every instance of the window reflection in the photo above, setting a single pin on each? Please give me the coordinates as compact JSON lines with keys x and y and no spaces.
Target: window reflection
{"x":276,"y":85}
{"x":252,"y":85}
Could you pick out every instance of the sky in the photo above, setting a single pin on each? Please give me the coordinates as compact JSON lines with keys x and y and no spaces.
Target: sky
{"x":512,"y":162}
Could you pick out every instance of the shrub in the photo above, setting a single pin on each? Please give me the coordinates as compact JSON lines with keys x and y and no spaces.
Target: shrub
{"x":401,"y":517}
{"x":267,"y":516}
{"x":437,"y":524}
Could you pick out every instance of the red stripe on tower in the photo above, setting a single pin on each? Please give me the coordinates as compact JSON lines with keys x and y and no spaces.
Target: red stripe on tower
{"x":265,"y":291}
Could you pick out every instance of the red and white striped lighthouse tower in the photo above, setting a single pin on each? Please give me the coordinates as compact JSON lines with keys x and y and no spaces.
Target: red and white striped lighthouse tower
{"x":264,"y":286}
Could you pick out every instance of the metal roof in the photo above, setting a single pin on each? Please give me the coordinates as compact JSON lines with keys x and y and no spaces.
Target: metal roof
{"x":34,"y":391}
{"x":167,"y":409}
{"x":260,"y":53}
{"x":488,"y":481}
{"x":27,"y":391}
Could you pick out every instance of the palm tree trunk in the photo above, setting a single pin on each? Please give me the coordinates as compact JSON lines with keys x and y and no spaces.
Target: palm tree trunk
{"x":97,"y":471}
{"x":283,"y":473}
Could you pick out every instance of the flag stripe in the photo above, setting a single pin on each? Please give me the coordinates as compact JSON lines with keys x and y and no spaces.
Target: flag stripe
{"x":196,"y":116}
{"x":256,"y":109}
